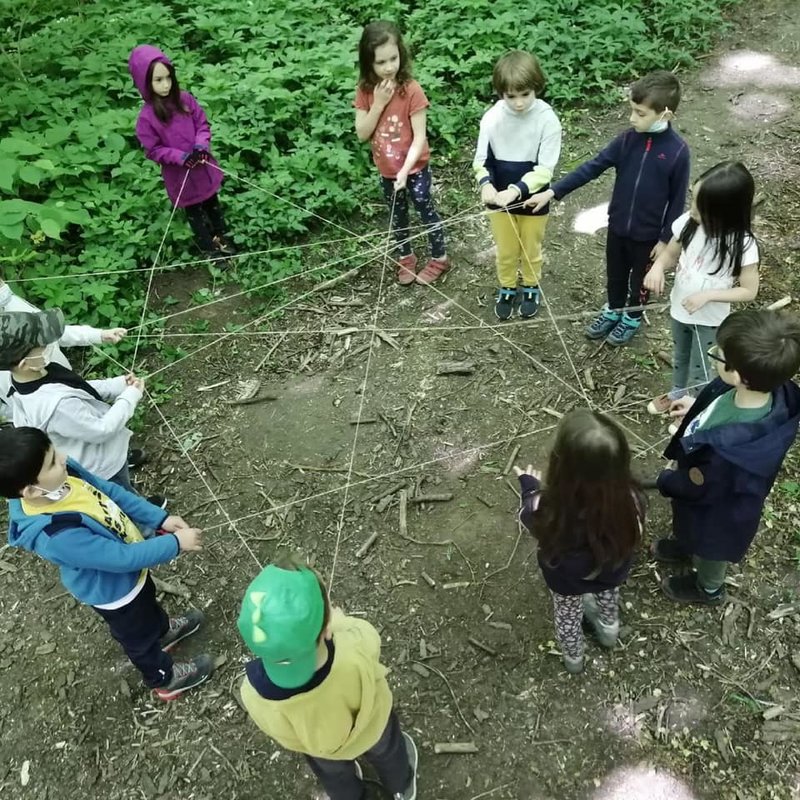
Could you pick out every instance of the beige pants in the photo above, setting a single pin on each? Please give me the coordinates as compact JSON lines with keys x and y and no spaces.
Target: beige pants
{"x":519,"y":247}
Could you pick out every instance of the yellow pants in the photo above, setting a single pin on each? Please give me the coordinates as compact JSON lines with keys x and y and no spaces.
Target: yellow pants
{"x":519,"y":246}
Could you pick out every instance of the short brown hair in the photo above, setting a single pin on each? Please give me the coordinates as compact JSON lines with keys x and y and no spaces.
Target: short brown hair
{"x":660,"y":90}
{"x":518,"y":71}
{"x":295,"y":563}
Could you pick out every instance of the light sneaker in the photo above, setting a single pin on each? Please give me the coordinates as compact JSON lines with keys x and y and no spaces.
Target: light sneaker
{"x":181,"y":627}
{"x":573,"y":665}
{"x":413,"y":759}
{"x":673,"y":428}
{"x":663,"y":402}
{"x":186,"y":675}
{"x":607,"y":635}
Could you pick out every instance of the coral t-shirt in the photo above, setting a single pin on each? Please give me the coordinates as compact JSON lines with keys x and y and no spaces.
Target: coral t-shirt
{"x":393,"y":134}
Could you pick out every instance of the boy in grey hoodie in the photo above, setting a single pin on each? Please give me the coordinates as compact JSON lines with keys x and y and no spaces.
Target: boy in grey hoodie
{"x":72,"y":411}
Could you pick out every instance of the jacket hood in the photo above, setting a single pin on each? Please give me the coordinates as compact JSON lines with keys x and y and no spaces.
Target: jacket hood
{"x":756,"y":447}
{"x":141,"y":57}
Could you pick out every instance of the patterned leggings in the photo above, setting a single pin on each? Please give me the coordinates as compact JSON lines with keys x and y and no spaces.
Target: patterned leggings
{"x":418,"y":186}
{"x":568,"y":616}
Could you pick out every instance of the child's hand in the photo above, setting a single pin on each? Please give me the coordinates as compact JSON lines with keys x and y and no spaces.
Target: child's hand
{"x":191,"y":160}
{"x":113,"y":335}
{"x":694,"y":302}
{"x":538,"y":201}
{"x":137,"y":383}
{"x":506,"y":197}
{"x":400,"y":181}
{"x":529,"y":470}
{"x":654,"y":281}
{"x":202,"y":153}
{"x":384,"y":92}
{"x":174,"y":523}
{"x":656,"y":251}
{"x":488,"y":194}
{"x":680,"y":406}
{"x":189,"y":539}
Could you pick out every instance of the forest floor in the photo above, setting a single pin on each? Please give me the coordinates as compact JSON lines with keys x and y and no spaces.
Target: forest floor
{"x":694,"y":703}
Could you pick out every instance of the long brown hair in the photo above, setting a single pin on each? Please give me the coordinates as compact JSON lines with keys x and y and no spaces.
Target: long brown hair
{"x":164,"y":107}
{"x":374,"y":35}
{"x":589,"y":487}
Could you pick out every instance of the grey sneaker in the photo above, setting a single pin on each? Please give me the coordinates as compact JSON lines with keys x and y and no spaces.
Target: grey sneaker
{"x":413,"y":759}
{"x":573,"y":665}
{"x":186,"y":675}
{"x":181,"y":627}
{"x":607,"y":635}
{"x":602,"y":324}
{"x":624,"y":331}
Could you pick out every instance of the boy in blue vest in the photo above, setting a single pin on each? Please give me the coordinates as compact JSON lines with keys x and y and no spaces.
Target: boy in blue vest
{"x":728,"y":451}
{"x":652,"y":179}
{"x":90,"y":528}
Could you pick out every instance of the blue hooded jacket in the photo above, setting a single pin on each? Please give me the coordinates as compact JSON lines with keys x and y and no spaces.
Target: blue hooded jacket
{"x":96,"y":566}
{"x":724,"y":474}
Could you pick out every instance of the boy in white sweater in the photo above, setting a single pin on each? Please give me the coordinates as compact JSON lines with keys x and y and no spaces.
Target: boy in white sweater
{"x":71,"y":410}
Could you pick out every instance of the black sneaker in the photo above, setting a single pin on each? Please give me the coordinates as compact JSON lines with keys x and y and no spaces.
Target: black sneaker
{"x":413,"y":759}
{"x":669,"y":551}
{"x":685,"y":589}
{"x":158,"y":500}
{"x":136,"y":457}
{"x":504,"y":304}
{"x":181,"y":627}
{"x":186,"y":675}
{"x":529,"y":302}
{"x":603,"y":324}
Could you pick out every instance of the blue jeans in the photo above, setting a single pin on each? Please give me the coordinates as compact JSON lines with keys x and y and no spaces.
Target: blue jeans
{"x":691,"y":368}
{"x":419,"y":186}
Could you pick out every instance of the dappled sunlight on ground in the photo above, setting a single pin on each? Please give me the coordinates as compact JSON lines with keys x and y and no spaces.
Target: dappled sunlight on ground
{"x":643,"y":782}
{"x":748,"y":67}
{"x":591,"y":220}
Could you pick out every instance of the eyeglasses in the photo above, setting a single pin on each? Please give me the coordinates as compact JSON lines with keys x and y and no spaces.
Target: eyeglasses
{"x":713,"y":352}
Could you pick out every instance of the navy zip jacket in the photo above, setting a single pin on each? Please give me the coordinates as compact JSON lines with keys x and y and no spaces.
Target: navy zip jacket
{"x":650,"y":188}
{"x":724,"y":474}
{"x":574,"y":571}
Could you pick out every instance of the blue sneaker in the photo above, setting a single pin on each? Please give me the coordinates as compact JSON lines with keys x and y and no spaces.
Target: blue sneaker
{"x":504,"y":304}
{"x":603,"y":324}
{"x":529,"y":303}
{"x":624,"y":330}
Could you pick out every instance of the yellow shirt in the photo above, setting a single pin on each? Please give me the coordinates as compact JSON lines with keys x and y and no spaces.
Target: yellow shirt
{"x":84,"y":498}
{"x":346,"y":714}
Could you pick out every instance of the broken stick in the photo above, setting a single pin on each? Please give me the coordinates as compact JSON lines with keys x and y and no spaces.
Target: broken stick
{"x":362,"y":551}
{"x":511,"y":459}
{"x":442,"y":748}
{"x":455,"y":368}
{"x":432,"y":498}
{"x":403,"y":507}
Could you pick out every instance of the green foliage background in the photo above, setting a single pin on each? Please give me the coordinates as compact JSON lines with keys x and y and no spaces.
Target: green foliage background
{"x":277,"y":80}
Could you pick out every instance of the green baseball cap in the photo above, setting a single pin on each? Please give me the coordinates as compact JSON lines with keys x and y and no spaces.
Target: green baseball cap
{"x":281,"y":621}
{"x":22,"y":331}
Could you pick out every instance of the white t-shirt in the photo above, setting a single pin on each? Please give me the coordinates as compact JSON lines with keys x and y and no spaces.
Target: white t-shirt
{"x":694,"y":274}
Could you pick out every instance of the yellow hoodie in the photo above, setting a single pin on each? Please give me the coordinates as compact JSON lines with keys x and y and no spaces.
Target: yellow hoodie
{"x":346,"y":714}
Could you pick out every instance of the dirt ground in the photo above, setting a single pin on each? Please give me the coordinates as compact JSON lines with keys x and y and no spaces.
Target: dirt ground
{"x":695,"y":703}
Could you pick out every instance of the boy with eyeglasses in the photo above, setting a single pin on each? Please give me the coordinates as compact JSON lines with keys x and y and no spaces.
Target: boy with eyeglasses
{"x":728,"y":450}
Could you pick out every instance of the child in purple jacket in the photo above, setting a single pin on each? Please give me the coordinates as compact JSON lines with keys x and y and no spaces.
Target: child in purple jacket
{"x":174,"y":131}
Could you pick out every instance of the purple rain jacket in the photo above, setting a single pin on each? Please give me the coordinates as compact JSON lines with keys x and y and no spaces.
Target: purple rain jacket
{"x":167,"y":143}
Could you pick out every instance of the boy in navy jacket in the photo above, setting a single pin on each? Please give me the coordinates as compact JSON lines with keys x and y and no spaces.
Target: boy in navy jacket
{"x":90,"y":528}
{"x":652,"y":179}
{"x":728,"y":451}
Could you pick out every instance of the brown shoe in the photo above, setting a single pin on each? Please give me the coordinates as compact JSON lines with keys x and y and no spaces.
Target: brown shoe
{"x":432,"y":270}
{"x":407,"y":269}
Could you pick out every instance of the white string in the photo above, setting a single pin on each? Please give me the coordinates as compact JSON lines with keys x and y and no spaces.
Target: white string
{"x":340,"y":526}
{"x":153,"y":267}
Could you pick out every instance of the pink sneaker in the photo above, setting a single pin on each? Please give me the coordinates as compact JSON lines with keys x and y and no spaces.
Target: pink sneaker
{"x":433,"y":270}
{"x":407,"y":269}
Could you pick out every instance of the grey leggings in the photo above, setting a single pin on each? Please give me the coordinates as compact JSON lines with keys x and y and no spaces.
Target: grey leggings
{"x":568,"y":616}
{"x":691,"y":366}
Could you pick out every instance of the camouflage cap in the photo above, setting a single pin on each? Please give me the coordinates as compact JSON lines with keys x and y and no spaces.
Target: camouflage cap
{"x":22,"y":331}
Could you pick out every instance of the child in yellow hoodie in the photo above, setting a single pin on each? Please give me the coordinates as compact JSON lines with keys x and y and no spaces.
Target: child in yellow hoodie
{"x":317,"y":686}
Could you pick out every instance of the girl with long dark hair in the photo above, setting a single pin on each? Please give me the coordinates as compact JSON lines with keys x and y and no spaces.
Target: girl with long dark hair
{"x":587,"y":518}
